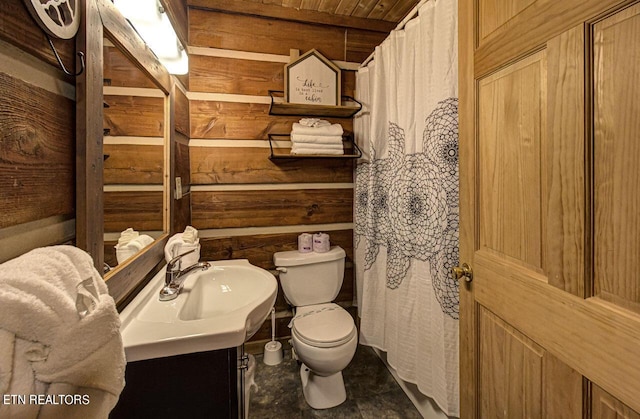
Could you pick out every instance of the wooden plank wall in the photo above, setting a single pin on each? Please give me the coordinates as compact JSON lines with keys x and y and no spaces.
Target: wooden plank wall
{"x":37,"y":137}
{"x":245,"y":205}
{"x":134,"y":151}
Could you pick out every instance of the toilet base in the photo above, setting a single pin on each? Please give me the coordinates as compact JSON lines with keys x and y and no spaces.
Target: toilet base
{"x":322,"y":392}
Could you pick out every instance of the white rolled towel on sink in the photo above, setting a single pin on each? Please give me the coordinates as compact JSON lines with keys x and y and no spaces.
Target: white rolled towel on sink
{"x":181,"y":243}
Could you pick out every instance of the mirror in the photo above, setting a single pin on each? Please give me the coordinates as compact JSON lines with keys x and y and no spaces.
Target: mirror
{"x":95,"y":212}
{"x":133,"y":148}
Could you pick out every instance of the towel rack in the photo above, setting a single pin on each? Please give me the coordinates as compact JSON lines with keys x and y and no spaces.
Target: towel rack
{"x":347,"y":140}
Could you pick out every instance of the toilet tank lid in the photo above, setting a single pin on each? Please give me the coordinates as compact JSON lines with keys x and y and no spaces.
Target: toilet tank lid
{"x":295,"y":258}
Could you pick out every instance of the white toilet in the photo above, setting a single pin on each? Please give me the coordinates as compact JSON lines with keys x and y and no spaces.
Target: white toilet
{"x":324,"y":335}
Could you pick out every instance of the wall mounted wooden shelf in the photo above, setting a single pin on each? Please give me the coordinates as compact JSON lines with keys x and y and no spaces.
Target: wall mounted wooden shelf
{"x":349,"y":108}
{"x":351,"y":150}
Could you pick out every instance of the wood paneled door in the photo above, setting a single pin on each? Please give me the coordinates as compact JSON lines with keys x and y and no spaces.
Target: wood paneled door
{"x":550,"y":208}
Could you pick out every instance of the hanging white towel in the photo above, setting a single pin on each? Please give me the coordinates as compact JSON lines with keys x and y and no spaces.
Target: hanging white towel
{"x":60,"y":335}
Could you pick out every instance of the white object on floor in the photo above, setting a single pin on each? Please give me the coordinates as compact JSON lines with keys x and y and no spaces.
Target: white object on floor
{"x":273,"y":353}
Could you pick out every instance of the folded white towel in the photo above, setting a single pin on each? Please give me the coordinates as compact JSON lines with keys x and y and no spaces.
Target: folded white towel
{"x":316,"y":151}
{"x":296,"y":146}
{"x":54,"y":342}
{"x":314,"y":122}
{"x":181,"y":243}
{"x":129,"y":248}
{"x":315,"y":139}
{"x":327,"y":130}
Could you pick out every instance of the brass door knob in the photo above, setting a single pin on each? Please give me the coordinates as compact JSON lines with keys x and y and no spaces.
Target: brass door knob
{"x":464,"y":271}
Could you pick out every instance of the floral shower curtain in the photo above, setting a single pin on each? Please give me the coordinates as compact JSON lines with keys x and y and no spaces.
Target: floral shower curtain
{"x":406,"y":203}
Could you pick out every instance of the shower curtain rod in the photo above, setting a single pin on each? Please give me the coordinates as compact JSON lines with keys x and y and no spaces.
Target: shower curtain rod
{"x":400,"y":26}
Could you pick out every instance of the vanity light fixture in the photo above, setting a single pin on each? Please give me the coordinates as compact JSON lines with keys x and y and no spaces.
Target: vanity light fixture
{"x":150,"y":20}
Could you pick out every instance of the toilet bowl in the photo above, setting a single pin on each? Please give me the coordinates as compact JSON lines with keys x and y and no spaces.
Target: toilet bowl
{"x":323,"y":334}
{"x":324,"y":338}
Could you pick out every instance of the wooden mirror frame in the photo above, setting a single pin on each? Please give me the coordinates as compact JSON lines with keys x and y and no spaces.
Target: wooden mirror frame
{"x":101,"y":18}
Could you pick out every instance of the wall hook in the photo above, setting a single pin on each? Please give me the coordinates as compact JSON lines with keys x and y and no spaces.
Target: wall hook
{"x":64,"y":69}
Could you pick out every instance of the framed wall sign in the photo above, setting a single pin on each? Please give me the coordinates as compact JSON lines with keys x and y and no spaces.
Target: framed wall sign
{"x":312,"y":79}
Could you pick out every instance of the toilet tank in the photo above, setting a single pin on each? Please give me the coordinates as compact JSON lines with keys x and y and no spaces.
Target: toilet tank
{"x":310,"y":278}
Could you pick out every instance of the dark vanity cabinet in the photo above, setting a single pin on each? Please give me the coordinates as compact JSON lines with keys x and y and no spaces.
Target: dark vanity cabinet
{"x":198,"y":385}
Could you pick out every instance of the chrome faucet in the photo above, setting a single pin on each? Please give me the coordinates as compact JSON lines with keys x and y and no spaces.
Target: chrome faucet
{"x":175,"y":277}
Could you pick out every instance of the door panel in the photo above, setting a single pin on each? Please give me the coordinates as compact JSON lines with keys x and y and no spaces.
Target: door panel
{"x":511,"y":134}
{"x":564,"y":252}
{"x":616,"y":157}
{"x":510,"y":371}
{"x":519,"y":379}
{"x":605,"y":406}
{"x":549,"y":181}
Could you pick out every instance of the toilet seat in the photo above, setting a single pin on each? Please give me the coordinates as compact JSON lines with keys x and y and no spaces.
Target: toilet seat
{"x":323,"y":325}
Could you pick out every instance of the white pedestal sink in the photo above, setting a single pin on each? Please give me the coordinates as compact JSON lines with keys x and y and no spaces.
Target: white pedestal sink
{"x":219,"y":308}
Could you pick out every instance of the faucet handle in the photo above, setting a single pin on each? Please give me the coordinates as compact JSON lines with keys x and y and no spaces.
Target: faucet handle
{"x":175,"y":260}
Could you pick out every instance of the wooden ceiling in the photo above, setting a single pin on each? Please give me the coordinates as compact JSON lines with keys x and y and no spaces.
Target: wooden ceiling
{"x":389,"y":10}
{"x":375,"y":15}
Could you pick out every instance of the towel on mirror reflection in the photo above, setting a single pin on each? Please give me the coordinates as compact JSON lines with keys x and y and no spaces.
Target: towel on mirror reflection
{"x":126,"y":236}
{"x":59,"y":335}
{"x":327,"y":130}
{"x":181,"y":243}
{"x":316,"y":139}
{"x":128,"y":248}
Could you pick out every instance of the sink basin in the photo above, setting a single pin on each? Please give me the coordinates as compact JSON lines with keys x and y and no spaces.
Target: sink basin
{"x":219,"y":308}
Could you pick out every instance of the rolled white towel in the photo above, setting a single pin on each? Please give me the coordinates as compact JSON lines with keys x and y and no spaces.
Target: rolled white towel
{"x":315,"y":139}
{"x":190,"y":235}
{"x":127,"y":235}
{"x":327,"y":130}
{"x":180,"y":244}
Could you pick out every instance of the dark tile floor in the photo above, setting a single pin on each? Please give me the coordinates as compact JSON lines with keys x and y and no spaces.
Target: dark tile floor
{"x":372,"y":391}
